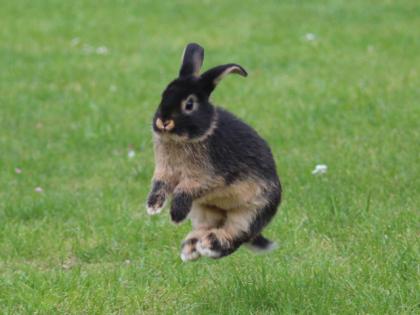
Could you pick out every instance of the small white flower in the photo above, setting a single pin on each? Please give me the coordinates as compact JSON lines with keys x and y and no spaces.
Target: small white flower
{"x":102,"y":50}
{"x":320,"y":169}
{"x":310,"y":37}
{"x":127,"y":261}
{"x":75,"y":41}
{"x":131,"y":153}
{"x":18,"y":170}
{"x":38,"y":190}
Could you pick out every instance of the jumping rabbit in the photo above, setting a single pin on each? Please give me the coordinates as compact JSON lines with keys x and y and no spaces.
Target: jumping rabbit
{"x":220,"y":173}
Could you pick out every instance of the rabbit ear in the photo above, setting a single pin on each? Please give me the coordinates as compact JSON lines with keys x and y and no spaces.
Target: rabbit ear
{"x":192,"y":60}
{"x":212,"y":77}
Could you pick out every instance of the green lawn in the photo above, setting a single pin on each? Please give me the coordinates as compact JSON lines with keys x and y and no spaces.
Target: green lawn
{"x":79,"y":83}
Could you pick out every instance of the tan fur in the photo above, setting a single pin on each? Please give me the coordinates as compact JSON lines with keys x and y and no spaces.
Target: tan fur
{"x":162,"y":126}
{"x":159,"y":123}
{"x":226,"y":211}
{"x":236,"y":223}
{"x":170,"y":125}
{"x":184,"y":165}
{"x":205,"y":217}
{"x":246,"y":194}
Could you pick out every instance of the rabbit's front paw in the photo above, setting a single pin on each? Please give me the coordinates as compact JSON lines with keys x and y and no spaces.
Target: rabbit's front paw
{"x":181,"y":206}
{"x":155,"y":203}
{"x":179,"y":214}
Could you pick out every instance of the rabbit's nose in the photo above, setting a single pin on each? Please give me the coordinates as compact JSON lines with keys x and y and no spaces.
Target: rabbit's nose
{"x":166,"y":125}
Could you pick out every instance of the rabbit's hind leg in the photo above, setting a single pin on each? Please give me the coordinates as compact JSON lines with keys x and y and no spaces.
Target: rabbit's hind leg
{"x":222,"y":241}
{"x":240,"y":227}
{"x":203,"y":218}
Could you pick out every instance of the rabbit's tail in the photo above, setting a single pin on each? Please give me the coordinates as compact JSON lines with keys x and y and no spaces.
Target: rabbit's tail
{"x":259,"y":244}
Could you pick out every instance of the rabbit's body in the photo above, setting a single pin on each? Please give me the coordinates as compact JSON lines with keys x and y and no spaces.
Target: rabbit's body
{"x":223,"y":177}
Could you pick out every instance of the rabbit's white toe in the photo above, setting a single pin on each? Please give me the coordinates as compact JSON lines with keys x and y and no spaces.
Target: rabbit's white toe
{"x":189,"y":256}
{"x":153,"y":210}
{"x":189,"y":249}
{"x":204,"y":248}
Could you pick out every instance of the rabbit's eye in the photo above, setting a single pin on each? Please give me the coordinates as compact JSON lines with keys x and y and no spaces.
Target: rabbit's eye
{"x":189,"y":105}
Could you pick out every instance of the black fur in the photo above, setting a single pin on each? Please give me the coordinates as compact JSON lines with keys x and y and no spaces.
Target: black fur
{"x":192,"y":60}
{"x":180,"y":207}
{"x":237,"y":151}
{"x":209,"y":78}
{"x":265,"y":214}
{"x":261,"y":242}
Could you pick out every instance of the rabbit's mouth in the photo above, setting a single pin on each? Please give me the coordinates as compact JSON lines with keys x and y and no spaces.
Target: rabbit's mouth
{"x":166,"y":125}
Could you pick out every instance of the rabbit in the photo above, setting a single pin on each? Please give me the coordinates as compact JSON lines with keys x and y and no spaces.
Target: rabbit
{"x":220,"y":173}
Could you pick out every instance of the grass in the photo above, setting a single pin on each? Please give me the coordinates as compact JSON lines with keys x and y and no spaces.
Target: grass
{"x":349,"y":239}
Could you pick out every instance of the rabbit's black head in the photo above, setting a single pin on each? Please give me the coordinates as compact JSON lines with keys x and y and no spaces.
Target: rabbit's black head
{"x":185,"y":111}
